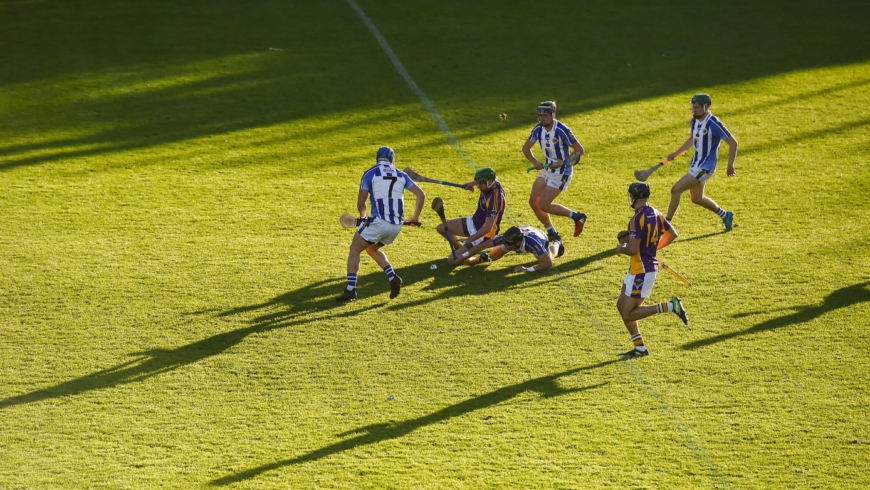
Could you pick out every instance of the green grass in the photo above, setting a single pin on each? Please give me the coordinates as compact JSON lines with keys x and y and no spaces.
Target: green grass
{"x":169,"y":249}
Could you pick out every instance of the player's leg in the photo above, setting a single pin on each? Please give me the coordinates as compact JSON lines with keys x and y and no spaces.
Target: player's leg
{"x":685,"y":183}
{"x":625,"y":302}
{"x":551,"y":192}
{"x":388,"y":235}
{"x":705,"y":202}
{"x":356,"y":247}
{"x":534,"y":202}
{"x":456,"y":227}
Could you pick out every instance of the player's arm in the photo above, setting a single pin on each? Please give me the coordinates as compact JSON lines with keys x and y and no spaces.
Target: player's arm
{"x":464,"y":252}
{"x":732,"y":155}
{"x":418,"y":206}
{"x":487,"y":225}
{"x":544,"y":263}
{"x":668,"y":236}
{"x":632,"y":246}
{"x":469,"y":186}
{"x":527,"y":151}
{"x":578,"y":150}
{"x":688,"y":144}
{"x":361,"y":203}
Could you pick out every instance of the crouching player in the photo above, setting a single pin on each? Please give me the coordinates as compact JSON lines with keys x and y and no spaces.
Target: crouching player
{"x":519,"y":239}
{"x":648,"y":232}
{"x":382,"y":228}
{"x":486,"y":220}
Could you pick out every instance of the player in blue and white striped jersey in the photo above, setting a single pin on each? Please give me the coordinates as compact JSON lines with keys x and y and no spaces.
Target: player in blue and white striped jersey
{"x":556,"y":141}
{"x":385,"y":185}
{"x":520,"y":239}
{"x":706,"y":134}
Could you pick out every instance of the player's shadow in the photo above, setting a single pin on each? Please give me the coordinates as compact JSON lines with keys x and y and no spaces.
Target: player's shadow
{"x":457,"y":281}
{"x":575,"y":264}
{"x":841,"y":298}
{"x":311,"y":303}
{"x":546,"y":386}
{"x":701,"y":237}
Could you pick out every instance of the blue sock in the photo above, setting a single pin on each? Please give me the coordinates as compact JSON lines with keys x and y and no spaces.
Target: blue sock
{"x":389,"y":270}
{"x":575,"y":215}
{"x":721,"y":212}
{"x":351,"y":281}
{"x":552,"y":230}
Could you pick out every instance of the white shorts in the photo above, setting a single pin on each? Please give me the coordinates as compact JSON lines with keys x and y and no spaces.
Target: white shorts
{"x":553,"y":179}
{"x":639,"y":285}
{"x":469,"y":225}
{"x":379,"y":231}
{"x":701,"y":174}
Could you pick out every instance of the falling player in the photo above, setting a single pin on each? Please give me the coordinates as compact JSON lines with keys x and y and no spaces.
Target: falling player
{"x":388,"y":205}
{"x":648,"y":232}
{"x":520,"y":239}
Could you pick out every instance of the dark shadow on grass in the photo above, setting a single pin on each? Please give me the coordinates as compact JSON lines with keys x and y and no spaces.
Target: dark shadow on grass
{"x":575,"y":264}
{"x":311,"y":303}
{"x":841,"y":298}
{"x":700,"y":237}
{"x":547,"y":386}
{"x":125,"y":75}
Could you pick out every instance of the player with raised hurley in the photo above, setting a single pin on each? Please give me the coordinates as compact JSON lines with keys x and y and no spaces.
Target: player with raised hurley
{"x":707,"y":131}
{"x":556,"y":141}
{"x":647,"y":233}
{"x":485,"y":223}
{"x":520,"y":239}
{"x":385,"y":185}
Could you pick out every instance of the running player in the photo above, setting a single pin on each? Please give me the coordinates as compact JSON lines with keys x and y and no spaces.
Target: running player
{"x":388,"y":209}
{"x":485,"y":223}
{"x":706,"y":134}
{"x":556,"y":141}
{"x":648,"y":232}
{"x":520,"y":239}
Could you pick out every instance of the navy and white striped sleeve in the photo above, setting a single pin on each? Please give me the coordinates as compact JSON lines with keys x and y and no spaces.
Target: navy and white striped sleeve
{"x":566,"y":135}
{"x":717,"y":127}
{"x":366,"y":181}
{"x":536,"y":134}
{"x":408,"y":182}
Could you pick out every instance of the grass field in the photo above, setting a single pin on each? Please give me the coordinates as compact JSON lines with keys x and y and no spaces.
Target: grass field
{"x":170,"y":251}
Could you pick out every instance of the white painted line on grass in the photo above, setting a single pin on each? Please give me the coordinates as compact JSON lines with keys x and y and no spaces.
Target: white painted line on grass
{"x":454,"y":142}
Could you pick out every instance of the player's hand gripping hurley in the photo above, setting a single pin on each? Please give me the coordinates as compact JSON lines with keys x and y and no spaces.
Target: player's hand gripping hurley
{"x":348,"y":221}
{"x":572,"y":160}
{"x":642,"y":175}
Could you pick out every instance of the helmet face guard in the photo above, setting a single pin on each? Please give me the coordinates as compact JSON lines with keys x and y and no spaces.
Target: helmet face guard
{"x":547,"y":107}
{"x":386,"y":153}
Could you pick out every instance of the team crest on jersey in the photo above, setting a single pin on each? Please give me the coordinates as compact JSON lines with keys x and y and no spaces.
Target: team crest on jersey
{"x":705,"y":130}
{"x":638,"y":283}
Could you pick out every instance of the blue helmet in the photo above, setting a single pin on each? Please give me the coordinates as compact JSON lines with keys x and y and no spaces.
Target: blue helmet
{"x":386,"y":153}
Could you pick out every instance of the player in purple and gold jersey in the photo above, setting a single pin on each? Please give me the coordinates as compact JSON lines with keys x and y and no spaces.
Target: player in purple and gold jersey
{"x":486,"y":221}
{"x":648,"y":232}
{"x":520,"y":239}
